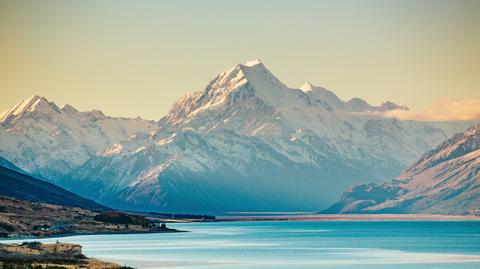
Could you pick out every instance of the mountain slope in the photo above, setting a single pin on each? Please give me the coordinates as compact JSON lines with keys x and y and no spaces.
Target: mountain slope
{"x":444,"y":180}
{"x":21,"y":186}
{"x":248,"y":142}
{"x":49,"y":141}
{"x":251,"y":101}
{"x":221,"y":172}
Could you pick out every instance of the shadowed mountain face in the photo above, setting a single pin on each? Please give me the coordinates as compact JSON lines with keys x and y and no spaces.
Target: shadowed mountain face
{"x":246,"y":142}
{"x":15,"y":184}
{"x":445,"y":180}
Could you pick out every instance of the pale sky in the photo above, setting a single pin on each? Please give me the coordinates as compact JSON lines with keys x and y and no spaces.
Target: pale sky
{"x":135,"y":58}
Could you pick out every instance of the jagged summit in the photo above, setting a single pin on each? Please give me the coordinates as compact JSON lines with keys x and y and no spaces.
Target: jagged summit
{"x":307,"y":86}
{"x":251,"y":71}
{"x":473,"y":131}
{"x":230,"y":88}
{"x":388,"y":105}
{"x":60,"y":137}
{"x":247,"y":86}
{"x":69,"y":109}
{"x":245,"y":68}
{"x":34,"y":103}
{"x":41,"y":105}
{"x":356,"y":104}
{"x":253,"y":63}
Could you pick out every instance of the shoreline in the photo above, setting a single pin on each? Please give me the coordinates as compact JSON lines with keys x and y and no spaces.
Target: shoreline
{"x":284,"y":216}
{"x":350,"y":217}
{"x":62,"y":235}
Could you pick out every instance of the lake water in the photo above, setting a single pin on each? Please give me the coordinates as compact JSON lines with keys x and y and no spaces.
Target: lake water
{"x":295,"y":244}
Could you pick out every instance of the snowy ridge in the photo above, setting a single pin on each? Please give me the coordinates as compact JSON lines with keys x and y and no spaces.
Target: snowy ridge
{"x":27,"y":105}
{"x":49,"y":141}
{"x":445,"y":180}
{"x":331,"y":100}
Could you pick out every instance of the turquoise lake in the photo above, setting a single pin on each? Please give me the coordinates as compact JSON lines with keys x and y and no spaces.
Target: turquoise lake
{"x":295,"y":244}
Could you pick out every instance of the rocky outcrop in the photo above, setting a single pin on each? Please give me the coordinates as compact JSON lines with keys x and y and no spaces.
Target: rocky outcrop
{"x":59,"y":255}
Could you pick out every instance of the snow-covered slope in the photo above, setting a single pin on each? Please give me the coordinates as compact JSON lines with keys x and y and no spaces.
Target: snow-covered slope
{"x":189,"y":171}
{"x":49,"y":141}
{"x":444,"y":180}
{"x":248,"y":142}
{"x":249,"y":100}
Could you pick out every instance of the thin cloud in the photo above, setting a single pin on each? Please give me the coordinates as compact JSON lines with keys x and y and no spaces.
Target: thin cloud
{"x":445,"y":110}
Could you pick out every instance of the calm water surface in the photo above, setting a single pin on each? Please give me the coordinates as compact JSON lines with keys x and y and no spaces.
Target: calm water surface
{"x":295,"y":244}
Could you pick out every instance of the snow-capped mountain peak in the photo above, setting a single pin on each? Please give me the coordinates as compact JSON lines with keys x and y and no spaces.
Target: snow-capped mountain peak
{"x":322,"y":95}
{"x":31,"y":104}
{"x":61,"y":138}
{"x":231,"y":88}
{"x":249,"y":95}
{"x":307,"y":87}
{"x":358,"y":105}
{"x":69,"y":109}
{"x":260,"y":77}
{"x":253,"y":63}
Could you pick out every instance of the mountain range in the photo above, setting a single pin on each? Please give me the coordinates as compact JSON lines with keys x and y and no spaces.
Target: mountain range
{"x":49,"y":141}
{"x":246,"y":142}
{"x":444,"y":180}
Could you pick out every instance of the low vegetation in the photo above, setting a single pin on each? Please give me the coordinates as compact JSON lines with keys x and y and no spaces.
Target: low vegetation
{"x":116,"y":217}
{"x":31,"y":219}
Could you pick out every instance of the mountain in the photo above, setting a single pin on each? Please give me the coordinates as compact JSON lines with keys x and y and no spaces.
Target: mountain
{"x":445,"y":180}
{"x":49,"y":141}
{"x":6,"y":164}
{"x":248,"y":142}
{"x":322,"y":95}
{"x":21,"y":186}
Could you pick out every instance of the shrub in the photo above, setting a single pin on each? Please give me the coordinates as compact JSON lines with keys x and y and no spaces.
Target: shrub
{"x":7,"y":227}
{"x":32,"y":245}
{"x":116,"y":217}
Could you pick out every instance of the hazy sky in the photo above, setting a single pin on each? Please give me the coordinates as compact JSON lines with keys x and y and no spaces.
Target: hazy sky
{"x":130,"y":58}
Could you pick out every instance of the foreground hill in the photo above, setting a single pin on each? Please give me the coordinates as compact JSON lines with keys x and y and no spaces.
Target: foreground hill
{"x":14,"y":183}
{"x":21,"y":218}
{"x":58,"y":256}
{"x":445,"y":180}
